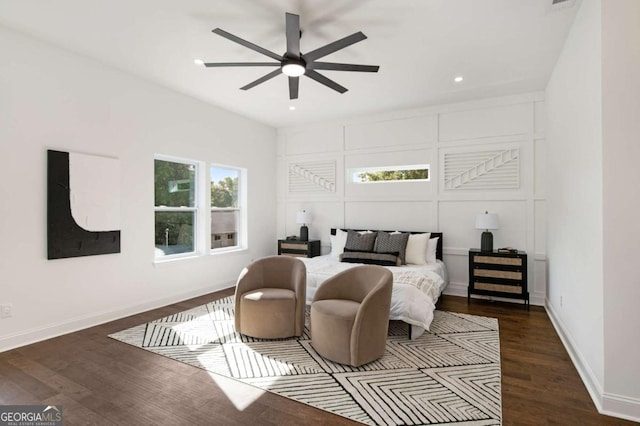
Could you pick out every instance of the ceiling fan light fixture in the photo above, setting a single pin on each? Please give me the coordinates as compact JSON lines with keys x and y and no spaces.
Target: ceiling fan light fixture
{"x":293,"y":63}
{"x":293,"y":67}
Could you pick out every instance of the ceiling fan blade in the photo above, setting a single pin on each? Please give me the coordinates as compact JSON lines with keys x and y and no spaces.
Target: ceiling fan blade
{"x":293,"y":35}
{"x":342,"y":67}
{"x":335,"y":46}
{"x":262,"y":79}
{"x":241,"y":64}
{"x":248,"y":44}
{"x":324,"y":80}
{"x":294,"y":82}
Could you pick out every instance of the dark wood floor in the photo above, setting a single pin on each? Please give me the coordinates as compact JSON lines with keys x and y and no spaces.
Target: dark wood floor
{"x":98,"y":380}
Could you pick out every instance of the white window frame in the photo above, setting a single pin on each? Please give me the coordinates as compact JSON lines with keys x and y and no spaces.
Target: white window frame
{"x":356,"y":171}
{"x":241,"y":238}
{"x":197,"y":209}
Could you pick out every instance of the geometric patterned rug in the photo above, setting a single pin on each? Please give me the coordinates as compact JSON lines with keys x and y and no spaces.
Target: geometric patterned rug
{"x":450,"y":375}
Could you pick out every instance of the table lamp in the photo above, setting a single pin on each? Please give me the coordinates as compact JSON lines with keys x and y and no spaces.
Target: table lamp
{"x":303,"y":217}
{"x":487,"y":221}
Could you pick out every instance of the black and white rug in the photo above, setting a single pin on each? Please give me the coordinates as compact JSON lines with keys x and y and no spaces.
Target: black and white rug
{"x":446,"y":376}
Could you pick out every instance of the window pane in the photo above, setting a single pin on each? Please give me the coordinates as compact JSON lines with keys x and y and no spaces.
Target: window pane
{"x":225,"y":214}
{"x":391,"y":174}
{"x":174,"y":184}
{"x":224,"y":228}
{"x":174,"y":233}
{"x":224,"y":187}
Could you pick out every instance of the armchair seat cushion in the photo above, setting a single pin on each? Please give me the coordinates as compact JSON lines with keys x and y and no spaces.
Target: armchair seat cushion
{"x":342,"y":310}
{"x":269,"y":294}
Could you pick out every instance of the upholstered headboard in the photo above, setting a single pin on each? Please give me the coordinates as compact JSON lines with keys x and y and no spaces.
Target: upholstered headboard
{"x":433,"y":235}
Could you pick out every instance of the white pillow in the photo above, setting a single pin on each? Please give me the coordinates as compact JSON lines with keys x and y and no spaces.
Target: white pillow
{"x":338,"y":242}
{"x":431,"y":250}
{"x":416,"y":253}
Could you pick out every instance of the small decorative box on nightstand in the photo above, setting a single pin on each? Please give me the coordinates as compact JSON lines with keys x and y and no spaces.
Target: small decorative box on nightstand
{"x":498,"y":274}
{"x":297,"y":248}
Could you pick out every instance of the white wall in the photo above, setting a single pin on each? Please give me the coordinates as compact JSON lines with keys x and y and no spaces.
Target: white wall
{"x":439,"y":136}
{"x":621,"y":203}
{"x":53,"y":99}
{"x":592,"y":127}
{"x":574,"y":208}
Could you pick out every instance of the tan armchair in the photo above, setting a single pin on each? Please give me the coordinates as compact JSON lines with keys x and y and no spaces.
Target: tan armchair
{"x":350,"y":315}
{"x":270,"y":298}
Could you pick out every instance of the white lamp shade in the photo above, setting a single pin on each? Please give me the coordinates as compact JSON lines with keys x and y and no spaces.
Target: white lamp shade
{"x":303,"y":217}
{"x":487,"y":221}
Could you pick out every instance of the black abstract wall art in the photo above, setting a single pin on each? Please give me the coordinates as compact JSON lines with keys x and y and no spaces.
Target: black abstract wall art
{"x":83,"y":205}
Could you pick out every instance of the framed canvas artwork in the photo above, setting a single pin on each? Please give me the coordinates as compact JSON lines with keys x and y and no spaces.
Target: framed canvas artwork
{"x":83,"y":205}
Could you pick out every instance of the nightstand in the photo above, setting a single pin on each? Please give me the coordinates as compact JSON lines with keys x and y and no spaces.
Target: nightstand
{"x":298,"y":248}
{"x":498,"y":274}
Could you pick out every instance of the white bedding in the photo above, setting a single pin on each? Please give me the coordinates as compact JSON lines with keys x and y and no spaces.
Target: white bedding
{"x":416,"y":288}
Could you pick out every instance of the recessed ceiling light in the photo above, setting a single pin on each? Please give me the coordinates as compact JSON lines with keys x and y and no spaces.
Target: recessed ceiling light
{"x":458,"y":79}
{"x":199,"y":62}
{"x":292,"y":107}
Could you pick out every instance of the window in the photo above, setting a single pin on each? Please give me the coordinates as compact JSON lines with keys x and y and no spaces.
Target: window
{"x":176,"y":206}
{"x":415,"y":172}
{"x":182,"y":217}
{"x":225,"y":207}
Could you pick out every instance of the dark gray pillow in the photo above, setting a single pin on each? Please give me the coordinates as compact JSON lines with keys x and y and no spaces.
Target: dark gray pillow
{"x":392,"y":243}
{"x":369,"y":258}
{"x":360,"y":242}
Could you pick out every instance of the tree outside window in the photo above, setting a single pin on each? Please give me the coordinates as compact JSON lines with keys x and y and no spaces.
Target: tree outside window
{"x":391,"y":174}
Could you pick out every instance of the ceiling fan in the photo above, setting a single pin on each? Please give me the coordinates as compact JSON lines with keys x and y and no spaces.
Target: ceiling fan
{"x":294,"y":63}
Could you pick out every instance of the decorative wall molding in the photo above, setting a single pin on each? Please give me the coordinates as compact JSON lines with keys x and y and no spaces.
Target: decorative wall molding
{"x":480,"y":170}
{"x":486,"y":149}
{"x":312,"y":177}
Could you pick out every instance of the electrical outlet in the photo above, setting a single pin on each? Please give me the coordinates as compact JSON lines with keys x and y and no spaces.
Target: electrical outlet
{"x":5,"y":311}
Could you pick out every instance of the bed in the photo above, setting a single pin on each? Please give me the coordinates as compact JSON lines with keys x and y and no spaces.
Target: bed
{"x":416,"y":288}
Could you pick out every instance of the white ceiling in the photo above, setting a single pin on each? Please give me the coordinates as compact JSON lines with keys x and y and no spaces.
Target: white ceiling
{"x":501,"y":47}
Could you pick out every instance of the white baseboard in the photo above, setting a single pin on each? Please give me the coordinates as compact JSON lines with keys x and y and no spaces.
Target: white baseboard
{"x":456,"y":289}
{"x":586,"y":374}
{"x":621,"y":406}
{"x":606,"y":403}
{"x":460,"y":289}
{"x":49,"y":331}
